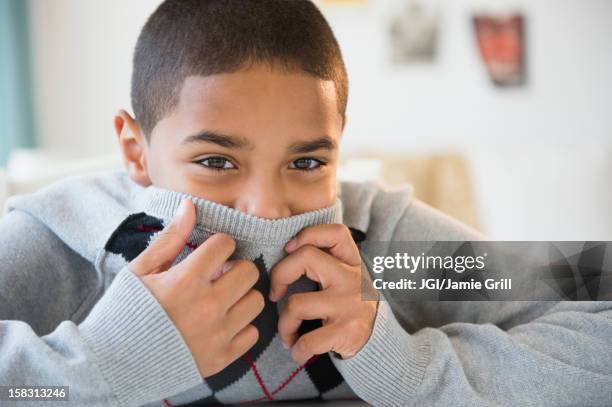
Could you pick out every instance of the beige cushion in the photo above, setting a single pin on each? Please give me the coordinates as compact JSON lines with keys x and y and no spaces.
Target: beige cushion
{"x":441,"y":180}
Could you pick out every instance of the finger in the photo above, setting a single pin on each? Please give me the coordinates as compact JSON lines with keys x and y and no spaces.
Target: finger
{"x":316,"y":342}
{"x":244,"y":311}
{"x":168,"y":244}
{"x":209,"y":257}
{"x":299,"y":307}
{"x":235,"y":282}
{"x":243,"y":341}
{"x":335,"y":238}
{"x":307,"y":260}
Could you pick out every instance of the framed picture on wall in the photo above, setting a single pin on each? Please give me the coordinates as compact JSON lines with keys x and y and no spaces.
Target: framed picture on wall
{"x":413,"y":32}
{"x":501,"y":42}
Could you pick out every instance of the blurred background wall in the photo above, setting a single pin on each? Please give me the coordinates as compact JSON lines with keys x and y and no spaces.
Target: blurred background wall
{"x":538,"y":155}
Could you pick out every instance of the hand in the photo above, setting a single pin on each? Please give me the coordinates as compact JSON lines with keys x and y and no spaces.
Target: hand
{"x":212,"y":314}
{"x":328,"y":255}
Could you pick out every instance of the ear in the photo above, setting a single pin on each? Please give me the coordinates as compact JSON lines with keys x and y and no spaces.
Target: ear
{"x":133,"y":147}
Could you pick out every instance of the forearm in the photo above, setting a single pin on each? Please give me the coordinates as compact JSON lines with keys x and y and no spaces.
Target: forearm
{"x":122,"y":350}
{"x":61,"y":358}
{"x":561,"y":358}
{"x":125,"y":353}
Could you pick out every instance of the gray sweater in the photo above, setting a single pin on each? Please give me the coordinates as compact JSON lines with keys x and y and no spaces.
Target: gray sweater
{"x":72,"y":314}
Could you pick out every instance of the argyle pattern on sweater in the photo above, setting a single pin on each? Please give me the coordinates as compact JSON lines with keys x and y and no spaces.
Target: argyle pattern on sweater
{"x":266,"y":372}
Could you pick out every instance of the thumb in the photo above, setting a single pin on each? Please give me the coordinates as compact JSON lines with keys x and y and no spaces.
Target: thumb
{"x":169,"y":243}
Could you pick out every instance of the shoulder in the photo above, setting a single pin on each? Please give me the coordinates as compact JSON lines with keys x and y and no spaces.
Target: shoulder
{"x":113,"y":185}
{"x":373,"y":207}
{"x":387,"y":213}
{"x":81,"y":210}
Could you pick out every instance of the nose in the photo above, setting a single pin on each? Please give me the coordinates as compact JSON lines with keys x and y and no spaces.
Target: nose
{"x":263,"y":198}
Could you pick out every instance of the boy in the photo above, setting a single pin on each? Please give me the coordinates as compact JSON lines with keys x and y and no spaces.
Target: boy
{"x":181,"y":279}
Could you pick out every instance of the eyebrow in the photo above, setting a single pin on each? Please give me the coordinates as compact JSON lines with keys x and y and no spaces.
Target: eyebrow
{"x":227,"y":141}
{"x":222,"y":140}
{"x":322,"y":143}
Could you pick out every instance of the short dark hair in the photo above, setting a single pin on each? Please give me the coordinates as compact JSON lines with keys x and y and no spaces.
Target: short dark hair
{"x":204,"y":37}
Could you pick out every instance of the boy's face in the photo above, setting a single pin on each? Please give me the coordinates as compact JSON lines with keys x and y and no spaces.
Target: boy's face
{"x":262,"y":141}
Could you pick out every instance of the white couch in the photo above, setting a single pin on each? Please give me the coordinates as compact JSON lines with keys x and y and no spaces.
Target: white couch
{"x":28,"y":171}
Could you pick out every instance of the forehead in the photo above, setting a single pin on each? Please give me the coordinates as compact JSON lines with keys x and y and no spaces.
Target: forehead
{"x":259,"y":100}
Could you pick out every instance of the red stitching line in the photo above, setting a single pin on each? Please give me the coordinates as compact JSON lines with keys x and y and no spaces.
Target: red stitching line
{"x":247,"y":357}
{"x":141,"y":227}
{"x":293,"y":374}
{"x":268,"y":395}
{"x":285,"y":382}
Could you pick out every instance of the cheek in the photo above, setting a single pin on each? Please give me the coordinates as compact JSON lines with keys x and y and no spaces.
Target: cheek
{"x":224,"y":193}
{"x":163,"y":171}
{"x":314,"y":195}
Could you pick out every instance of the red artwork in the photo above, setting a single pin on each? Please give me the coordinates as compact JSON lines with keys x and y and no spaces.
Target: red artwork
{"x":501,"y":41}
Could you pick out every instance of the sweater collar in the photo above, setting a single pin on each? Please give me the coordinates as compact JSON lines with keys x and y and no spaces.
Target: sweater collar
{"x":217,"y":218}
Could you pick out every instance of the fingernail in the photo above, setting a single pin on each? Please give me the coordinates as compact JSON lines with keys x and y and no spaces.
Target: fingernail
{"x":285,"y":345}
{"x":272,"y":294}
{"x":226,"y":266}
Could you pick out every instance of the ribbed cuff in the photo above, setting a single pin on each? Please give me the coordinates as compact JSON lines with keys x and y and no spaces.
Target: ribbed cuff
{"x":139,"y":351}
{"x":390,"y":366}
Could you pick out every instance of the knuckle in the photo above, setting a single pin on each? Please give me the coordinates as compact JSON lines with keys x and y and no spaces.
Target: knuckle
{"x":338,"y":228}
{"x":251,"y":271}
{"x":307,"y":344}
{"x":343,"y":229}
{"x":250,"y":338}
{"x":246,"y":265}
{"x":157,"y":256}
{"x":355,"y":330}
{"x":254,"y":332}
{"x":293,"y":304}
{"x":169,"y":233}
{"x":307,"y":252}
{"x":151,"y":253}
{"x":259,"y":299}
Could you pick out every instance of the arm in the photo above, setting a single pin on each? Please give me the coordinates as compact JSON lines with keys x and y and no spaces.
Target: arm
{"x":482,"y":353}
{"x":45,"y":338}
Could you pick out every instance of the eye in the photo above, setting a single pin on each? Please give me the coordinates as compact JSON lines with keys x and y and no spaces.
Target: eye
{"x":306,"y":164}
{"x":217,"y":163}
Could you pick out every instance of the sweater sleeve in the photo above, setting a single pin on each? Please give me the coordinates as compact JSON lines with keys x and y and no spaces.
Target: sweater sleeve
{"x":125,"y":352}
{"x":482,"y":353}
